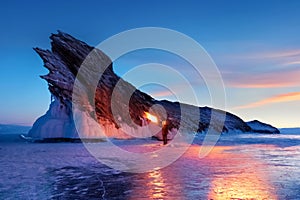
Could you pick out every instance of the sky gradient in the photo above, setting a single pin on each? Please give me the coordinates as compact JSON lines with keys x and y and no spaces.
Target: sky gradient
{"x":255,"y":44}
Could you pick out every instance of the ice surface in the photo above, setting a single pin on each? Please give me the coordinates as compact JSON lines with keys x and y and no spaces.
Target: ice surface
{"x":13,"y":129}
{"x":290,"y":130}
{"x":241,"y":166}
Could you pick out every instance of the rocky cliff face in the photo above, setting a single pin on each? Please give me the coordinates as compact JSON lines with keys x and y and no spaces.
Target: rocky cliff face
{"x":63,"y":62}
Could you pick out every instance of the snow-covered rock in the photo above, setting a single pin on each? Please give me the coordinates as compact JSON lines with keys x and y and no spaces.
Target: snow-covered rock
{"x":261,"y":127}
{"x":56,"y":123}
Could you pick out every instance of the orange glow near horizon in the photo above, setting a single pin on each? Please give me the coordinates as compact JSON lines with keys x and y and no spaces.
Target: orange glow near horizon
{"x":282,"y":79}
{"x":287,"y":97}
{"x":151,"y":117}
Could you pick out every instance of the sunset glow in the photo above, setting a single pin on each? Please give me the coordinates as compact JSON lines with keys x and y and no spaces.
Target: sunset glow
{"x":288,"y":97}
{"x":283,"y":78}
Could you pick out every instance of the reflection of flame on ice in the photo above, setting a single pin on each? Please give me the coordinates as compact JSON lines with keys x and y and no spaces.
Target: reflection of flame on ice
{"x":157,"y":185}
{"x":152,"y":118}
{"x":239,"y":176}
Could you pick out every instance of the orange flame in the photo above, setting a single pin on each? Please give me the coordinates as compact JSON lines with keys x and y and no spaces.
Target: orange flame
{"x":152,"y":118}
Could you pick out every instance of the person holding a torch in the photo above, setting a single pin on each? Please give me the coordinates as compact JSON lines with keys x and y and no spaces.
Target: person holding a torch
{"x":165,"y":130}
{"x":165,"y":126}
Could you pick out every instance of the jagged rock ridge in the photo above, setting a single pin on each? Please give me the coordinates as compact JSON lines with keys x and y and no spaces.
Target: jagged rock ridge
{"x":261,"y":127}
{"x":63,"y":62}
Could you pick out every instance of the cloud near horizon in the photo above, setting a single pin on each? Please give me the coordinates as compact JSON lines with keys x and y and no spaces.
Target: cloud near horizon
{"x":274,"y":69}
{"x":162,"y":93}
{"x":267,"y":54}
{"x":286,"y":97}
{"x":276,"y":79}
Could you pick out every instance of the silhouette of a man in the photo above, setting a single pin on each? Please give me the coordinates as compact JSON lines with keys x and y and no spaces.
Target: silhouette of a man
{"x":165,"y":131}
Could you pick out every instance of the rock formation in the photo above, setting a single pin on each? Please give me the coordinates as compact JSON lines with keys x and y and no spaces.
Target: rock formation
{"x":63,"y":62}
{"x":260,"y":127}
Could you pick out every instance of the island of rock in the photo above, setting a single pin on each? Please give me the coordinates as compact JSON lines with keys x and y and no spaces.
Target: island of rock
{"x":95,"y":115}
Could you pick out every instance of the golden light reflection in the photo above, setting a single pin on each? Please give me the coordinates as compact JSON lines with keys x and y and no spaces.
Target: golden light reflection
{"x":227,"y":172}
{"x":239,"y":176}
{"x":151,"y":117}
{"x":157,"y":185}
{"x":243,"y":186}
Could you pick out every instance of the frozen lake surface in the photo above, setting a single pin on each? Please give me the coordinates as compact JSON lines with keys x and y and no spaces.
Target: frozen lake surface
{"x":241,"y":166}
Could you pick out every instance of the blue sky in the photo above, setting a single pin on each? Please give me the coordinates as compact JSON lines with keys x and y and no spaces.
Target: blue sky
{"x":255,"y":44}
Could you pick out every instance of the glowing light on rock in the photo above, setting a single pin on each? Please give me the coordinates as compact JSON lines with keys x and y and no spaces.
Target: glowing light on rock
{"x":152,"y":118}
